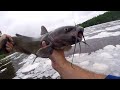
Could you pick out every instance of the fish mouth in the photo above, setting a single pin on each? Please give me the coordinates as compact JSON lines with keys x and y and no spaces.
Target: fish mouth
{"x":79,"y":36}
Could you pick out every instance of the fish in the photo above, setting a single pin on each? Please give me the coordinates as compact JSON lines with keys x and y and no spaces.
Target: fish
{"x":61,"y":38}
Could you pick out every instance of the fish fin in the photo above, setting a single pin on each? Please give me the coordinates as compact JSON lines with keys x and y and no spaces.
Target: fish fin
{"x":18,"y":35}
{"x":43,"y":30}
{"x":45,"y":52}
{"x":22,"y":36}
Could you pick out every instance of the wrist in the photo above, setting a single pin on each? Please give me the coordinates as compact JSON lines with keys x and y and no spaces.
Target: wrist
{"x":59,"y":65}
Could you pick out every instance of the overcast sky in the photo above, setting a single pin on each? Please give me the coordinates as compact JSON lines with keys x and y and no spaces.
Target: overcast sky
{"x":29,"y":22}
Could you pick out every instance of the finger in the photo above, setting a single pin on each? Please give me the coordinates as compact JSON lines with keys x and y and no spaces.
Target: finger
{"x":8,"y":49}
{"x":4,"y":36}
{"x":44,"y":43}
{"x":9,"y":45}
{"x":10,"y":38}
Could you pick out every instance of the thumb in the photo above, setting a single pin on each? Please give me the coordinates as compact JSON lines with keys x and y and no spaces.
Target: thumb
{"x":44,"y":44}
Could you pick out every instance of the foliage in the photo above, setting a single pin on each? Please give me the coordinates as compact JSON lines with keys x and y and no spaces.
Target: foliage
{"x":106,"y":17}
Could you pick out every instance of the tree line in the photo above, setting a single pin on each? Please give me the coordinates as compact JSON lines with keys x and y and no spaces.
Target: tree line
{"x":106,"y":17}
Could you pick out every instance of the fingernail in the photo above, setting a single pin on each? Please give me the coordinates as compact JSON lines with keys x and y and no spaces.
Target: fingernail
{"x":43,"y":43}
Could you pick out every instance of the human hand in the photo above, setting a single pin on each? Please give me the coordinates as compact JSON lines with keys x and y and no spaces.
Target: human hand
{"x":63,"y":67}
{"x":57,"y":57}
{"x":9,"y":44}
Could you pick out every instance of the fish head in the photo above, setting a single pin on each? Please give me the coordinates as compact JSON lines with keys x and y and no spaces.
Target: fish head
{"x":67,"y":35}
{"x":60,"y":38}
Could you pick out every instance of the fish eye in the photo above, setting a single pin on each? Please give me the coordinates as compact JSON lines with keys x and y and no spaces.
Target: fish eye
{"x":66,"y":30}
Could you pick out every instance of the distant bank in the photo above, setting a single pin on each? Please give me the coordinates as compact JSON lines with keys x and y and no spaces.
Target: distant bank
{"x":106,"y":17}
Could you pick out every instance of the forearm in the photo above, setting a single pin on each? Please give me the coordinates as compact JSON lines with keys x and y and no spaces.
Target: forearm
{"x":75,"y":72}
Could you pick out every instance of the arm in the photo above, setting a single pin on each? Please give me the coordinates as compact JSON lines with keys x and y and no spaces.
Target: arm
{"x":63,"y":67}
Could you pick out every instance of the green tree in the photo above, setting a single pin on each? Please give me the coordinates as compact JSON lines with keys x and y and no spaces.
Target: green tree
{"x":106,"y":17}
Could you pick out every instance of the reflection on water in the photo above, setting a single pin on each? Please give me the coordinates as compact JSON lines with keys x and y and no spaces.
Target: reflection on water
{"x":10,"y":65}
{"x":7,"y":71}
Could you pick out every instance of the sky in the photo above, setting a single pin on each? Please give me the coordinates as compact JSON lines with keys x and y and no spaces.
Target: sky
{"x":29,"y":22}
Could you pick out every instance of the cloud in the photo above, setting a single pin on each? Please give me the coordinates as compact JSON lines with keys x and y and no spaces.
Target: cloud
{"x":29,"y":22}
{"x":83,"y":16}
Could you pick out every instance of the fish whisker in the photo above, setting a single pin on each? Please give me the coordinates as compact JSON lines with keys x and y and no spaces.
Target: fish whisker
{"x":80,"y":49}
{"x":74,"y":49}
{"x":35,"y":58}
{"x":85,"y":43}
{"x":84,"y":38}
